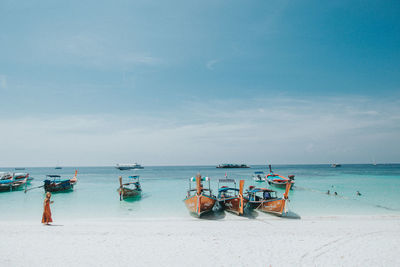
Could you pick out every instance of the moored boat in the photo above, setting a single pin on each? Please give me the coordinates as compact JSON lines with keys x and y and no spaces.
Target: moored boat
{"x":279,"y":180}
{"x":199,"y":200}
{"x":335,"y":165}
{"x":131,"y":189}
{"x":11,"y":184}
{"x":231,"y":198}
{"x":6,"y":175}
{"x":54,"y":183}
{"x":22,"y":176}
{"x":266,"y":200}
{"x":259,"y":176}
{"x":124,"y":167}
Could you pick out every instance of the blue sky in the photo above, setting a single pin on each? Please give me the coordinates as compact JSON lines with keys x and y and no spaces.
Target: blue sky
{"x":199,"y":82}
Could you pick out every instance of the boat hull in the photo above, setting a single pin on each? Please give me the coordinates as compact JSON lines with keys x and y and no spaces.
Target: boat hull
{"x":129,"y":193}
{"x":8,"y":188}
{"x":274,"y":206}
{"x":234,"y":205}
{"x":59,"y":187}
{"x":280,"y":185}
{"x":199,"y":204}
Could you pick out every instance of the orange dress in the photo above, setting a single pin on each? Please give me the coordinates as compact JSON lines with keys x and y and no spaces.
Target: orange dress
{"x":46,"y":218}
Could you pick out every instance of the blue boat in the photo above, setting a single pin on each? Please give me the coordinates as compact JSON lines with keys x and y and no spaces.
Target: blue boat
{"x":54,"y":183}
{"x":279,"y":180}
{"x":11,"y":184}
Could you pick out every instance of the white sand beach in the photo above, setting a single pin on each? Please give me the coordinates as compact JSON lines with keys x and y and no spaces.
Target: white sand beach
{"x":228,"y":241}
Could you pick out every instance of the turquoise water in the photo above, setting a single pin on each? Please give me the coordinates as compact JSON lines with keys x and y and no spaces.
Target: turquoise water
{"x":95,"y":195}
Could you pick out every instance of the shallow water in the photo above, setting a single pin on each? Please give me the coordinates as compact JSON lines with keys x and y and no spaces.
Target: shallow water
{"x":164,"y":188}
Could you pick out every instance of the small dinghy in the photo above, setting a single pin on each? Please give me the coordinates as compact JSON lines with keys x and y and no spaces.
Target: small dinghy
{"x":259,"y":176}
{"x":131,"y":189}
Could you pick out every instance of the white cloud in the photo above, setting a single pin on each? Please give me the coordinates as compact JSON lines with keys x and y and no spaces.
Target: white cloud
{"x":90,"y":50}
{"x":286,"y":131}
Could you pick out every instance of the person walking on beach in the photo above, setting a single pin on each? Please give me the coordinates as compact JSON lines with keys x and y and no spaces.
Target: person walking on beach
{"x":46,"y":218}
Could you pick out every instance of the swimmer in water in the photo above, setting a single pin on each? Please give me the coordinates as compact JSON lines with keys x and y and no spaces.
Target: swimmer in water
{"x":358,"y":193}
{"x":329,"y":192}
{"x":335,"y":193}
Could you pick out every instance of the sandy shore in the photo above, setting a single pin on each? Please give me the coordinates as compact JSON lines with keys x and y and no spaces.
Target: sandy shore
{"x":227,"y":241}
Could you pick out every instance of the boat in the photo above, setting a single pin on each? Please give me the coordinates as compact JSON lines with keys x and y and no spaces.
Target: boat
{"x":279,"y":180}
{"x":6,"y":175}
{"x":22,"y":176}
{"x":199,"y":200}
{"x":336,"y":165}
{"x":11,"y":185}
{"x":54,"y":183}
{"x":266,"y":200}
{"x":231,"y":198}
{"x":259,"y":176}
{"x":124,"y":167}
{"x":58,"y":168}
{"x":232,"y":166}
{"x":19,"y":169}
{"x":131,"y":189}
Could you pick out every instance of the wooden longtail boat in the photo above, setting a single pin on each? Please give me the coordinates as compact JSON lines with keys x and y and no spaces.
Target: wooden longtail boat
{"x":266,"y":200}
{"x":130,"y":189}
{"x":6,"y":175}
{"x":22,"y":176}
{"x":200,"y":200}
{"x":279,"y":180}
{"x":232,"y":199}
{"x":55,"y":184}
{"x":11,"y":184}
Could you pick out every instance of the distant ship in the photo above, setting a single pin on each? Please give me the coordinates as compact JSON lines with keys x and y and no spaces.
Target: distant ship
{"x":229,"y":166}
{"x":19,"y":169}
{"x":124,"y":167}
{"x":58,"y":167}
{"x":336,"y":165}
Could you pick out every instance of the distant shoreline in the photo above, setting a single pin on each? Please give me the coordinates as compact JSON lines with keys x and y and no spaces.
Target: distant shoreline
{"x":251,"y":165}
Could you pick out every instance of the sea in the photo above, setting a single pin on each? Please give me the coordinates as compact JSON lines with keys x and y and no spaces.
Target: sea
{"x":95,"y":195}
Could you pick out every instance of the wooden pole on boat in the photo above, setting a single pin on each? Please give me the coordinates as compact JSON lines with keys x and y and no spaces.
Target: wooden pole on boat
{"x":270,"y":168}
{"x":198,"y":195}
{"x":288,"y":185}
{"x":241,"y":185}
{"x":120,"y":188}
{"x":75,"y":178}
{"x":198,"y":184}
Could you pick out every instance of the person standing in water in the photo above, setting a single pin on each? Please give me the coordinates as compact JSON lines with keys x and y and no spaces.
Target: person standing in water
{"x":46,"y":218}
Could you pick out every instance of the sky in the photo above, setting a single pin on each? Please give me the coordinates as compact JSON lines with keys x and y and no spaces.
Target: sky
{"x":95,"y":83}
